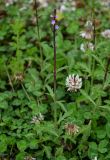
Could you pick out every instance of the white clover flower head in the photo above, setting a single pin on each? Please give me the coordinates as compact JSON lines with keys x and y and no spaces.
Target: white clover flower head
{"x":89,"y":25}
{"x":23,"y":8}
{"x":95,"y":158}
{"x":37,"y":119}
{"x":40,"y":117}
{"x":73,"y":4}
{"x":87,"y":46}
{"x":71,"y":128}
{"x":106,"y":33}
{"x":43,"y":3}
{"x":105,"y":3}
{"x":65,"y":6}
{"x":73,"y":83}
{"x":9,"y":2}
{"x":30,"y":1}
{"x":29,"y":158}
{"x":86,"y":34}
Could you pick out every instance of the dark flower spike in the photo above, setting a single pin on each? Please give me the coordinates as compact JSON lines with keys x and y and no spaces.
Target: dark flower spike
{"x":56,"y":27}
{"x":54,"y":20}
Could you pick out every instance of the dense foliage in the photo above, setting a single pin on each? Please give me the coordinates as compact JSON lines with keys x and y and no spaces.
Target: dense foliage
{"x":75,"y":125}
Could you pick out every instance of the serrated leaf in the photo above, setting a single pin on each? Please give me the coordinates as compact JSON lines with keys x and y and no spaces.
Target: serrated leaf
{"x":22,"y":145}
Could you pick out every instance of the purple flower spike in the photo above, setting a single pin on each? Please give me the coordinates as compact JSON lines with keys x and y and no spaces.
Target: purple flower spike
{"x":56,"y":27}
{"x":56,"y":16}
{"x":53,"y":22}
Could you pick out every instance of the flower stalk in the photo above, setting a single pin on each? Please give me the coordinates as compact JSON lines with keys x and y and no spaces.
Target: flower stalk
{"x":94,"y":42}
{"x":54,"y":46}
{"x":38,"y":31}
{"x":54,"y":28}
{"x":107,"y":69}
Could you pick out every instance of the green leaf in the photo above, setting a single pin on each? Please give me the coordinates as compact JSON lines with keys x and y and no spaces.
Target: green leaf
{"x":33,"y":144}
{"x":47,"y":150}
{"x":47,"y":50}
{"x":72,"y":28}
{"x":101,"y":133}
{"x":88,"y":97}
{"x":92,"y":152}
{"x":20,"y":156}
{"x":50,"y":91}
{"x":108,"y":129}
{"x":60,"y":158}
{"x":4,"y":105}
{"x":102,"y":147}
{"x":3,"y":143}
{"x":62,"y":106}
{"x":3,"y":147}
{"x":22,"y":145}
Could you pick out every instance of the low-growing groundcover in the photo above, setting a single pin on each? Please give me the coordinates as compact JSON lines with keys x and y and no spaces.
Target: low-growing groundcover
{"x":60,"y":116}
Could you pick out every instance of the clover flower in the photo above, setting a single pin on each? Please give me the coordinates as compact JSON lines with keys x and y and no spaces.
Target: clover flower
{"x":73,"y":83}
{"x":37,"y":119}
{"x":87,"y":46}
{"x":65,"y":6}
{"x":41,"y":3}
{"x":71,"y":129}
{"x":106,"y":33}
{"x":19,"y":76}
{"x":95,"y":158}
{"x":9,"y":2}
{"x":89,"y":25}
{"x":88,"y":32}
{"x":105,"y":3}
{"x":29,"y":158}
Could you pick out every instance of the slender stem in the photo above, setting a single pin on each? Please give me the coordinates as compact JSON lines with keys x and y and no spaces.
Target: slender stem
{"x":107,"y":68}
{"x":54,"y":46}
{"x":94,"y":29}
{"x":25,"y":92}
{"x":54,"y":74}
{"x":10,"y":81}
{"x":37,"y":19}
{"x":94,"y":42}
{"x":38,"y":31}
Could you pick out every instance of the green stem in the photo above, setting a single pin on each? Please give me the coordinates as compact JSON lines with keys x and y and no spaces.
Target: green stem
{"x":38,"y":32}
{"x":54,"y":47}
{"x":25,"y":92}
{"x":106,"y":70}
{"x":94,"y":42}
{"x":10,"y":81}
